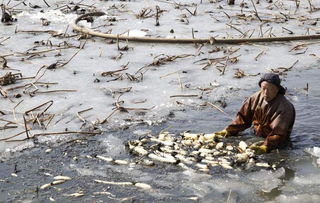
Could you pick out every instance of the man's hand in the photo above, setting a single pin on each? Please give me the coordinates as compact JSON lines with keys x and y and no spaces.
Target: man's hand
{"x":259,"y":148}
{"x":223,"y":133}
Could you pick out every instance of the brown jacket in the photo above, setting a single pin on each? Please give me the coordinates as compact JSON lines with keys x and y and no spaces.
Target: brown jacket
{"x":268,"y":118}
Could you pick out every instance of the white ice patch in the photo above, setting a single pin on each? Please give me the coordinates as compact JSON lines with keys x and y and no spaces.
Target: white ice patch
{"x":88,"y":172}
{"x":225,"y":185}
{"x":51,"y":15}
{"x":84,"y":23}
{"x":137,"y":33}
{"x":267,"y":180}
{"x":315,"y":152}
{"x":113,"y":146}
{"x":141,"y":132}
{"x":301,"y":198}
{"x":307,"y":179}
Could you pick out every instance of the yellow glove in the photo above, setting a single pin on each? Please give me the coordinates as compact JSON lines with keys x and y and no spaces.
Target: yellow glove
{"x":259,"y":149}
{"x":223,"y":133}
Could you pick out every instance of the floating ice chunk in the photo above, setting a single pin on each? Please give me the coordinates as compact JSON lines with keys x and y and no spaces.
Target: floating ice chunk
{"x":298,"y":198}
{"x":84,"y":23}
{"x":271,"y":184}
{"x":267,"y":180}
{"x":113,"y":145}
{"x":310,"y":179}
{"x":51,"y":15}
{"x":141,"y":132}
{"x":315,"y":151}
{"x":266,"y":175}
{"x":137,"y":33}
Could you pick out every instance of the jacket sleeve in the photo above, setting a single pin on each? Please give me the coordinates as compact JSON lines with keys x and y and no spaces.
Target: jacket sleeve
{"x":281,"y":128}
{"x":243,"y":118}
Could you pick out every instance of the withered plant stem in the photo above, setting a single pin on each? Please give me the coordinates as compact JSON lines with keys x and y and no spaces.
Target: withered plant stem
{"x":5,"y":40}
{"x":26,"y":127}
{"x":41,"y":105}
{"x":256,"y":12}
{"x":55,"y":133}
{"x":46,"y":3}
{"x":7,"y":138}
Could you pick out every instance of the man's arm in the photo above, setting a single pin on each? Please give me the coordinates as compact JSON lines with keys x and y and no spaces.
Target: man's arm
{"x":273,"y":141}
{"x":243,"y":118}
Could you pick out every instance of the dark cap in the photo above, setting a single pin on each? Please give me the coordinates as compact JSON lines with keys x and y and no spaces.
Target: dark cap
{"x":274,"y":79}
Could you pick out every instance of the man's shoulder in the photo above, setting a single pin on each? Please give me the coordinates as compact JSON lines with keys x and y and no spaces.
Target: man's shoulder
{"x":284,"y":102}
{"x":256,"y":95}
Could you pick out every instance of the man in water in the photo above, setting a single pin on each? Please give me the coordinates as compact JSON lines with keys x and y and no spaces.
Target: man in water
{"x":271,"y":114}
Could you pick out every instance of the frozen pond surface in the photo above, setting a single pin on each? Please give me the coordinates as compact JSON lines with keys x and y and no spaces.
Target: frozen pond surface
{"x":172,"y":92}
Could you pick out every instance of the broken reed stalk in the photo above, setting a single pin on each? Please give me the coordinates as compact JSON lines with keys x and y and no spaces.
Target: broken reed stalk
{"x":229,"y":195}
{"x":169,"y":74}
{"x":256,"y":58}
{"x":80,"y":112}
{"x":225,"y":66}
{"x":110,"y":73}
{"x":231,"y":2}
{"x":192,"y":33}
{"x":7,"y":127}
{"x":66,"y":133}
{"x":297,"y":3}
{"x":53,"y":133}
{"x":74,"y":55}
{"x":243,"y":34}
{"x":4,"y":40}
{"x":44,"y":51}
{"x":51,"y":118}
{"x":53,"y":91}
{"x":14,"y":110}
{"x":7,"y":138}
{"x":35,"y":31}
{"x":65,"y":32}
{"x":25,"y":78}
{"x":180,"y":81}
{"x":11,"y":122}
{"x":256,"y":12}
{"x":106,"y":119}
{"x":210,"y":40}
{"x":157,"y":15}
{"x":46,"y":3}
{"x":185,"y":95}
{"x":218,"y":108}
{"x":41,"y":105}
{"x":311,"y":7}
{"x":293,"y":64}
{"x":138,"y":109}
{"x":26,"y":127}
{"x":80,"y":117}
{"x":194,"y":13}
{"x":289,"y":31}
{"x":120,"y":108}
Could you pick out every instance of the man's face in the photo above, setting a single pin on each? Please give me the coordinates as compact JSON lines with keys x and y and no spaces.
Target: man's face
{"x":269,"y":91}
